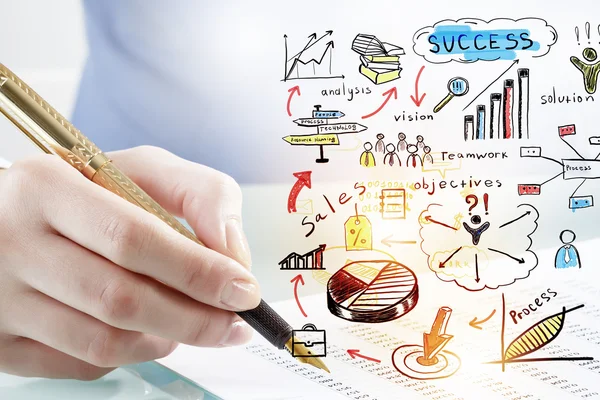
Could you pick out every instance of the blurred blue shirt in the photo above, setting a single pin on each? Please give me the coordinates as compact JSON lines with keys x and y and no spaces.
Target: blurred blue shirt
{"x":189,"y":76}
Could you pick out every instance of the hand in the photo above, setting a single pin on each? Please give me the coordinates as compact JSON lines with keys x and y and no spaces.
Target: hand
{"x":90,"y":282}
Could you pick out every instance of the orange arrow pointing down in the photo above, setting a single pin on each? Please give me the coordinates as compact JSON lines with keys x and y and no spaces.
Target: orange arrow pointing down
{"x":437,"y":339}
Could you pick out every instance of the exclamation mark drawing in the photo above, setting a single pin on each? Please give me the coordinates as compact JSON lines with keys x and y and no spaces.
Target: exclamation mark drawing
{"x":485,"y":202}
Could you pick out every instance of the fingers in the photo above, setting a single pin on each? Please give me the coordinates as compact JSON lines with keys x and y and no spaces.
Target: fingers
{"x":142,"y":243}
{"x":127,"y":300}
{"x":123,"y":233}
{"x":208,"y":199}
{"x":28,"y":358}
{"x":79,"y":335}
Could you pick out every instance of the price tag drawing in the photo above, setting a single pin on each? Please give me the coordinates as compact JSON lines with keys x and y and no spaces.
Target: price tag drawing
{"x":359,"y":235}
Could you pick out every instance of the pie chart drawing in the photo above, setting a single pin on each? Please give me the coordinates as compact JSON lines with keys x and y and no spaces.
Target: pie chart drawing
{"x":391,"y":294}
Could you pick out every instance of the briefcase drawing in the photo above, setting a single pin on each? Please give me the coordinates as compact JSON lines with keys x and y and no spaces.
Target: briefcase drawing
{"x":312,"y":338}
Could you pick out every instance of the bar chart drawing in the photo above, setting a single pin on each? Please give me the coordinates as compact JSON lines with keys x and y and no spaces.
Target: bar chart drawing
{"x":508,"y":114}
{"x":311,"y":260}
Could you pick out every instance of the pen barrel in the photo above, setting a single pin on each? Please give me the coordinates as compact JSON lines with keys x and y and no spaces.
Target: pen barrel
{"x":269,"y":324}
{"x":111,"y":178}
{"x":45,"y":126}
{"x":54,"y":134}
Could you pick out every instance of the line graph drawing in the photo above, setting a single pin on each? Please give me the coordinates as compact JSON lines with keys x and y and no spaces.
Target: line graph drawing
{"x":314,"y":61}
{"x":534,"y":338}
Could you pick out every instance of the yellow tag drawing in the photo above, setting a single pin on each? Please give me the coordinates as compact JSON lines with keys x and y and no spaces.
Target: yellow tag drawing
{"x":359,"y":235}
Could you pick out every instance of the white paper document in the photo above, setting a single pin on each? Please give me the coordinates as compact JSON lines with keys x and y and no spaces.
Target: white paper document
{"x":551,"y":347}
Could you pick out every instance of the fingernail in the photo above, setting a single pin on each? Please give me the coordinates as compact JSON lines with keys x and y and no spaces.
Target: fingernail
{"x":239,"y":333}
{"x":237,"y":243}
{"x":239,"y":295}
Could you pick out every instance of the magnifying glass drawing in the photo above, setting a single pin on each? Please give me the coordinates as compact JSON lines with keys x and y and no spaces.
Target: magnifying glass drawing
{"x":456,"y":87}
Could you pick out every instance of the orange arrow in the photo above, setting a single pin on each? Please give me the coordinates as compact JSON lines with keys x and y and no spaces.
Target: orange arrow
{"x":475,"y":324}
{"x":437,"y":339}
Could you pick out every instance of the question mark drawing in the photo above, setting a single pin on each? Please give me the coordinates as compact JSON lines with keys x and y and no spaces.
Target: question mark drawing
{"x":475,"y":201}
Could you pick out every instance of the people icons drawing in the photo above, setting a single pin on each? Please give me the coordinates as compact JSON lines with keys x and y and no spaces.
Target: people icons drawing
{"x":391,"y":158}
{"x":367,"y":159}
{"x":380,"y":145}
{"x":402,"y":142}
{"x":413,"y":157}
{"x":427,"y":157}
{"x":418,"y":152}
{"x":567,"y":255}
{"x":589,"y":67}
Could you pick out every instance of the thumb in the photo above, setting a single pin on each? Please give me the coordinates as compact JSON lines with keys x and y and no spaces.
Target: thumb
{"x":210,"y":201}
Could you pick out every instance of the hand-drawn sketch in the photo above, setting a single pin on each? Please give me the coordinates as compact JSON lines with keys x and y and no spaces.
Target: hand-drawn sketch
{"x":567,"y":255}
{"x":359,"y":232}
{"x":413,"y":157}
{"x":367,"y":159}
{"x":392,"y":293}
{"x":303,"y":180}
{"x":311,"y":260}
{"x":429,"y":361}
{"x":327,"y":132}
{"x":436,"y":162}
{"x":590,"y":65}
{"x":380,"y":61}
{"x":457,"y":87}
{"x":461,"y":253}
{"x":534,"y":339}
{"x":313,"y":339}
{"x":401,"y":142}
{"x":393,"y":203}
{"x":469,"y":39}
{"x":393,"y":153}
{"x":574,"y":168}
{"x":499,"y":122}
{"x":391,"y":157}
{"x":380,"y":145}
{"x":313,"y":61}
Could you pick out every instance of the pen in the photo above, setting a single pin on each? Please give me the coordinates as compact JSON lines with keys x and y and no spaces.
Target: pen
{"x":54,"y":134}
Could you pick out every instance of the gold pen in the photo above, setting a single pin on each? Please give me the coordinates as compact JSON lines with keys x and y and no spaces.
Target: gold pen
{"x":54,"y":134}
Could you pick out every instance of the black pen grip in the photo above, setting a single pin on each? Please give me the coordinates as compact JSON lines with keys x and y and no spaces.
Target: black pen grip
{"x":268,"y":323}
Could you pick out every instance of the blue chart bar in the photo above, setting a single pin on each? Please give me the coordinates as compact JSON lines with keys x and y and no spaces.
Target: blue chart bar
{"x":480,"y":122}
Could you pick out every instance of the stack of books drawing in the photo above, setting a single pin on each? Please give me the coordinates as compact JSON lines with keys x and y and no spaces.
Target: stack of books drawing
{"x":380,"y":61}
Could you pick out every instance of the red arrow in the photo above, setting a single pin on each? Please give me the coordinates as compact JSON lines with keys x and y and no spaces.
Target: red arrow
{"x":429,"y":219}
{"x":298,"y":279}
{"x":303,"y":180}
{"x":392,"y":92}
{"x":292,"y":91}
{"x":443,"y":264}
{"x":416,"y":99}
{"x":356,"y":353}
{"x":435,"y":341}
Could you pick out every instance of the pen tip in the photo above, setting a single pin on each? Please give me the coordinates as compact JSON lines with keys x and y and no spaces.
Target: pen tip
{"x":302,"y":354}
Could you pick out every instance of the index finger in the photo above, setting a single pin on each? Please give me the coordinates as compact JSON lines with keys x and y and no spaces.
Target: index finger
{"x":140,"y":242}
